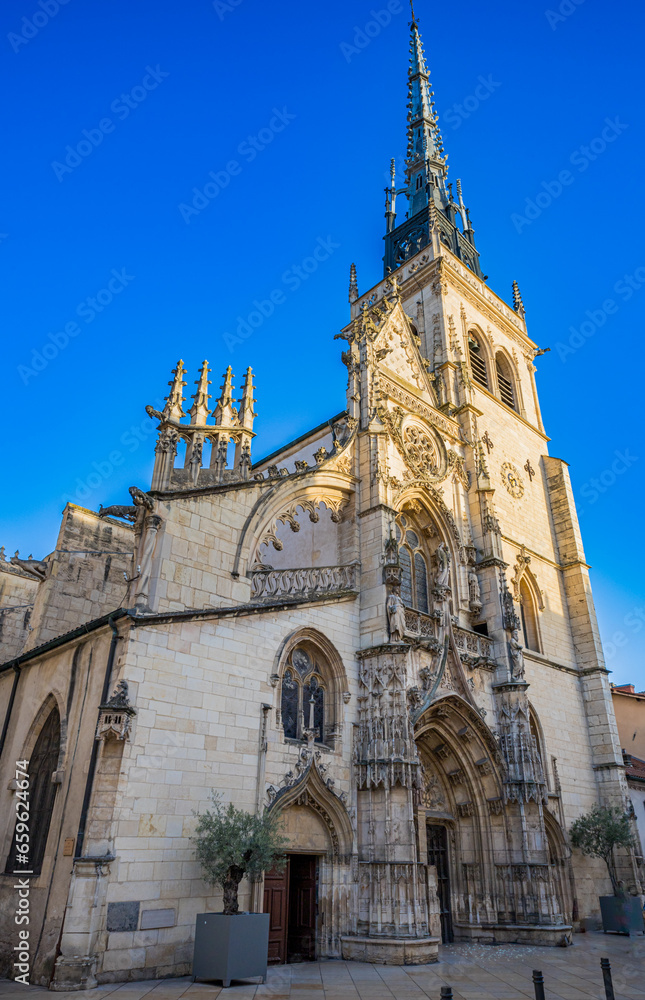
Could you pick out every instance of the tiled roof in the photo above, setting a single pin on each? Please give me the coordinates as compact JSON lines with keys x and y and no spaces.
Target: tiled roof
{"x":634,"y":767}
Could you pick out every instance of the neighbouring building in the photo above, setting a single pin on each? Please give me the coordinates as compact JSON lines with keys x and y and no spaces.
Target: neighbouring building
{"x":629,"y":708}
{"x":385,"y":631}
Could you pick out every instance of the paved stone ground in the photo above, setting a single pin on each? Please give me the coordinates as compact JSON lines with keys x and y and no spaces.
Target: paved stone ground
{"x":475,"y":972}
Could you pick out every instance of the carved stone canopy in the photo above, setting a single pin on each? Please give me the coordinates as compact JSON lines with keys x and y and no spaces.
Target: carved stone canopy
{"x":115,"y":715}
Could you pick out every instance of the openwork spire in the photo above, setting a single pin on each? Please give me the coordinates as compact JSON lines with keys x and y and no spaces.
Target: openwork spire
{"x":430,"y":200}
{"x":424,"y":138}
{"x":174,"y":408}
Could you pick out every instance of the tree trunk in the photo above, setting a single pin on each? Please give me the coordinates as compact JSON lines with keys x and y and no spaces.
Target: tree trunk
{"x":231,"y":886}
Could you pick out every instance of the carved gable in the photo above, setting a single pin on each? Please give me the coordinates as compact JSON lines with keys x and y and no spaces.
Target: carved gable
{"x":397,"y":354}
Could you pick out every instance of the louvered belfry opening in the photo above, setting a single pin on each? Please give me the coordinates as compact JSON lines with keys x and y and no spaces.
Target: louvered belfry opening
{"x":505,"y":381}
{"x":477,"y":361}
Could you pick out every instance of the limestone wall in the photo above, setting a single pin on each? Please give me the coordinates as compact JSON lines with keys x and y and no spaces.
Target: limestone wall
{"x":85,"y":579}
{"x":17,"y":595}
{"x":70,"y":678}
{"x":198,"y":688}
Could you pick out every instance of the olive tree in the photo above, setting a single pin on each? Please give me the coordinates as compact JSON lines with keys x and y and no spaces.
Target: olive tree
{"x":232,"y":844}
{"x":599,"y":832}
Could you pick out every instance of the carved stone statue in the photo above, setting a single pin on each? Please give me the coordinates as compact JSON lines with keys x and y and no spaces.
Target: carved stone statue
{"x":517,"y":656}
{"x":396,"y":617}
{"x":442,"y":556}
{"x":474,"y":590}
{"x":35,"y":567}
{"x":146,"y":525}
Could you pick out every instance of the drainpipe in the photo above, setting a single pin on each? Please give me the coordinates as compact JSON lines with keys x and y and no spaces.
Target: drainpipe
{"x":80,"y":837}
{"x":257,"y":888}
{"x":12,"y":698}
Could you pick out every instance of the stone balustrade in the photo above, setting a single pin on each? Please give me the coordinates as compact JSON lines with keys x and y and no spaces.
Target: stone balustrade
{"x":473,"y":646}
{"x":267,"y":584}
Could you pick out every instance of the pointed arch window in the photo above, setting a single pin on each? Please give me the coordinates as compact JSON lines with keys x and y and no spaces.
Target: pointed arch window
{"x":42,"y":793}
{"x":414,"y":569}
{"x":303,"y":697}
{"x":505,"y":381}
{"x":529,"y":618}
{"x":477,"y":361}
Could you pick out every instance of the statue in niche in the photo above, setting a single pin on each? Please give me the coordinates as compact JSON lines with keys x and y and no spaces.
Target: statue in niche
{"x":474,"y":590}
{"x":395,"y":617}
{"x":442,"y":556}
{"x":517,"y":656}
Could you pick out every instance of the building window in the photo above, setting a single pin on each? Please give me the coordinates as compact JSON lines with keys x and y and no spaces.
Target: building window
{"x":302,"y":701}
{"x":42,"y":792}
{"x":505,"y":381}
{"x":529,"y":618}
{"x":477,"y":361}
{"x":414,"y":569}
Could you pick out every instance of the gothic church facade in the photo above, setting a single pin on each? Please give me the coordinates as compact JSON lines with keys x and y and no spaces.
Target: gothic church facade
{"x":385,"y":632}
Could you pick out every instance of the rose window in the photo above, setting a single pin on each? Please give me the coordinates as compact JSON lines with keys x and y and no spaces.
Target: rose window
{"x":420,"y":449}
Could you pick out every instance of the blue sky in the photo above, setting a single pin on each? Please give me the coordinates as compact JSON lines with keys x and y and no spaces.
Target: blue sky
{"x":291,"y":113}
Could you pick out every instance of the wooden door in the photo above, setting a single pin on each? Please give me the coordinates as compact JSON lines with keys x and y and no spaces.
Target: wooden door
{"x":301,"y":938}
{"x":276,"y":902}
{"x":438,"y":856}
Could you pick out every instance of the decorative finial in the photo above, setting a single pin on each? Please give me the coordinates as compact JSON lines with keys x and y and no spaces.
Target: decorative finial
{"x":173,"y":410}
{"x":247,"y":412}
{"x":414,"y":19}
{"x":518,"y":305}
{"x":225,"y":413}
{"x":199,"y":410}
{"x":353,"y":283}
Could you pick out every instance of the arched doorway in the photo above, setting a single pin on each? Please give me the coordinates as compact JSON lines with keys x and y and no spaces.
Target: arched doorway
{"x":311,"y":900}
{"x":43,"y":762}
{"x":291,"y":893}
{"x":461,"y":817}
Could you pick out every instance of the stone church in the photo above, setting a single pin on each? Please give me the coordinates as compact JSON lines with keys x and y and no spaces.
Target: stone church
{"x":384,"y":632}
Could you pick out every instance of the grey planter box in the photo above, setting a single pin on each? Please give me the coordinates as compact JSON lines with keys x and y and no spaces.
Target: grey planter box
{"x":231,"y":947}
{"x":625,"y":916}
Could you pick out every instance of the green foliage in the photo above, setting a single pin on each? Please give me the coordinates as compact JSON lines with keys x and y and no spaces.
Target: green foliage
{"x":231,"y":844}
{"x":601,"y":830}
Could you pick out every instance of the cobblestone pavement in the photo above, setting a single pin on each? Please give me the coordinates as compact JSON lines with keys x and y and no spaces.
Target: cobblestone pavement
{"x":475,"y":972}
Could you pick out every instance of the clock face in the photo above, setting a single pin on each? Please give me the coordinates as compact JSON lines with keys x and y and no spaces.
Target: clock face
{"x":512,"y":480}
